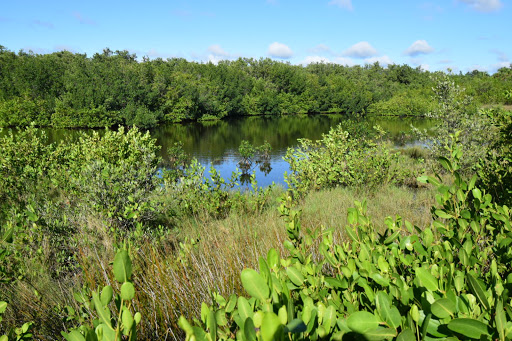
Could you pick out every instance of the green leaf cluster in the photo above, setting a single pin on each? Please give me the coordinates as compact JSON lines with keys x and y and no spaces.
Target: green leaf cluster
{"x":115,"y":319}
{"x":449,"y":280}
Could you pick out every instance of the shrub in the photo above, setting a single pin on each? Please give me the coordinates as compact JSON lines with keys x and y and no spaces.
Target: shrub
{"x":449,"y":280}
{"x":338,"y":159}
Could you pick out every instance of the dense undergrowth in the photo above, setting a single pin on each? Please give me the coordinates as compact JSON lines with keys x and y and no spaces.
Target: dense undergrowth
{"x":437,"y":267}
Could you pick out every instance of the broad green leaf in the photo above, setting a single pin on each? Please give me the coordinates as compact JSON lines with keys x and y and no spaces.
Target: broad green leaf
{"x":127,"y":320}
{"x":127,"y":291}
{"x":249,"y":330}
{"x":426,"y":278}
{"x":244,"y":308}
{"x":329,"y":318}
{"x":501,"y":320}
{"x":137,"y":317}
{"x":122,"y":266}
{"x":478,"y":291}
{"x":205,"y":311}
{"x":283,"y":315}
{"x":443,"y":308}
{"x":269,"y":326}
{"x":264,"y":269}
{"x":231,"y":303}
{"x":392,"y":237}
{"x":381,"y":280}
{"x":445,"y":163}
{"x":386,"y":311}
{"x":468,"y":327}
{"x":362,"y":322}
{"x":3,"y":306}
{"x":380,"y":334}
{"x":220,"y":317}
{"x":107,"y":332}
{"x":106,"y":295}
{"x":7,"y":237}
{"x":394,"y":319}
{"x":254,"y":284}
{"x":442,"y":214}
{"x":186,"y":326}
{"x":406,"y":335}
{"x":73,"y":335}
{"x":103,"y":313}
{"x":273,"y":258}
{"x":211,"y":324}
{"x":295,"y":276}
{"x":477,"y":193}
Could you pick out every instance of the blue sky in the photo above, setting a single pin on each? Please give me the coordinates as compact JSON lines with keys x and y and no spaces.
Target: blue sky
{"x":459,"y":34}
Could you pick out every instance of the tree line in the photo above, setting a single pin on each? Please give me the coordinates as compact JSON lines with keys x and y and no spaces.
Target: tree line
{"x":65,"y":89}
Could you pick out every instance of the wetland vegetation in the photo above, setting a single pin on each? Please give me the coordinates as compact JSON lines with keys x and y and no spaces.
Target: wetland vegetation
{"x":122,"y":233}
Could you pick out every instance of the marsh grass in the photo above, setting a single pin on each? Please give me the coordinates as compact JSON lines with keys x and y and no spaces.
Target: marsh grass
{"x":173,"y":274}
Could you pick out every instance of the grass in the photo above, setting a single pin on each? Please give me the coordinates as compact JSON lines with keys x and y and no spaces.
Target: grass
{"x":170,"y":284}
{"x":177,"y":272}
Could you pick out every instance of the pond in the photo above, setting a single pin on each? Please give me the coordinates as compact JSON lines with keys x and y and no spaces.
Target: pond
{"x":216,"y":143}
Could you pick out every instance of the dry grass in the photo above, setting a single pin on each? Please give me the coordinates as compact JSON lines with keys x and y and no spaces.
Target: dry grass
{"x":170,"y":283}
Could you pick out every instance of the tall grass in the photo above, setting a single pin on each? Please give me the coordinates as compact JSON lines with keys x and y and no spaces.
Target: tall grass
{"x":178,"y":271}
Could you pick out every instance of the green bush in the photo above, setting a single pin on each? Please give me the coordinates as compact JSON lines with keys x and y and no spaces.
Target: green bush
{"x":496,"y":167}
{"x":450,"y":280}
{"x":405,"y":103}
{"x":339,"y":159}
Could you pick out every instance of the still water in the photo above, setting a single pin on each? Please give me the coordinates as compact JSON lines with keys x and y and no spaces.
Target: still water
{"x":216,"y":143}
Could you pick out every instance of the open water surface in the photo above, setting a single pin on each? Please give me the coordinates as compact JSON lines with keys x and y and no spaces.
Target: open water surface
{"x":216,"y":142}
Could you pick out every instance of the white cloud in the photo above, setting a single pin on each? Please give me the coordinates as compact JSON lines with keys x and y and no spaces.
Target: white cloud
{"x":321,"y":48}
{"x":362,"y":49}
{"x":314,"y":59}
{"x":497,"y":66}
{"x":484,"y":5}
{"x":382,"y":60}
{"x":216,"y":50}
{"x":214,"y":59}
{"x":425,"y":67}
{"x":344,"y":61}
{"x":502,"y":56}
{"x":345,"y":4}
{"x":419,"y":47}
{"x":279,"y":50}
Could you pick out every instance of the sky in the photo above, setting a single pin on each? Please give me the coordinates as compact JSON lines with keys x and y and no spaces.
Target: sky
{"x":462,"y":35}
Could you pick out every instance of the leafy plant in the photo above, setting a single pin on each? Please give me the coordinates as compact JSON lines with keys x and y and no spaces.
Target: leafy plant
{"x":112,"y":324}
{"x":448,"y":280}
{"x":339,"y":159}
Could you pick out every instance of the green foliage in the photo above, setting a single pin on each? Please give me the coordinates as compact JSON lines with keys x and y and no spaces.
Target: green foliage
{"x":447,"y":280}
{"x":340,"y":159}
{"x":249,"y":153}
{"x":115,"y":316}
{"x":496,"y":168}
{"x":64,"y":89}
{"x":402,"y":104}
{"x":456,"y":111}
{"x":22,"y":333}
{"x":49,"y":192}
{"x":194,"y":194}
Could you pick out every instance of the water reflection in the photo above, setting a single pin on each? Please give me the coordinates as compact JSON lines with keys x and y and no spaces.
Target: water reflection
{"x":216,"y":143}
